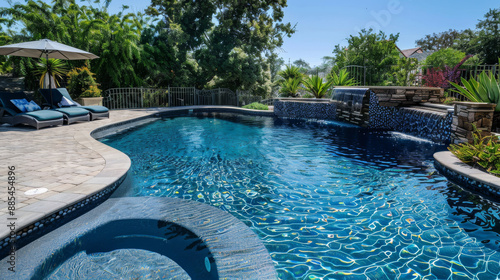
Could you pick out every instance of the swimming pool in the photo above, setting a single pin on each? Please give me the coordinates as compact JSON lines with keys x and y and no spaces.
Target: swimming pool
{"x":327,"y":199}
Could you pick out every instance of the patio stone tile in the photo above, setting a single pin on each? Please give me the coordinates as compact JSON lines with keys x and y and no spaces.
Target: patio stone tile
{"x":65,"y":159}
{"x":68,"y":198}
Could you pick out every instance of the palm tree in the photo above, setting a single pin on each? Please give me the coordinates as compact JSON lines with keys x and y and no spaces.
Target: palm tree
{"x":316,"y":86}
{"x":340,"y":79}
{"x":53,"y":69}
{"x":291,"y":72}
{"x":290,"y":87}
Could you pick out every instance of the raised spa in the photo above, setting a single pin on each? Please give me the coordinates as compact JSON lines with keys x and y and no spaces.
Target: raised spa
{"x":137,"y":248}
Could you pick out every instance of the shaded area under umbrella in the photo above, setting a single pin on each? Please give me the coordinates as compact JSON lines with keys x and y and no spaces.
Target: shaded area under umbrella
{"x":50,"y":49}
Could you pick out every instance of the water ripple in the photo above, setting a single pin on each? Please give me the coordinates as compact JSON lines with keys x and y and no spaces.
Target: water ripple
{"x":329,"y":202}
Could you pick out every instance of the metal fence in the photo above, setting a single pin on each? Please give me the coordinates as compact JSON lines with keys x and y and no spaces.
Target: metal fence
{"x":365,"y":75}
{"x":131,"y":98}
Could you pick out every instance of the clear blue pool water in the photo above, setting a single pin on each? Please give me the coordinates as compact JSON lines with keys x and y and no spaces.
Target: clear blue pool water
{"x":328,"y":200}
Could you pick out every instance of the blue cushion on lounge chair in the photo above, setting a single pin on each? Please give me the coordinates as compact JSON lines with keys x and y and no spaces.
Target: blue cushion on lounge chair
{"x":21,"y":104}
{"x":73,"y":111}
{"x":32,"y":106}
{"x":44,"y":115}
{"x":95,"y":108}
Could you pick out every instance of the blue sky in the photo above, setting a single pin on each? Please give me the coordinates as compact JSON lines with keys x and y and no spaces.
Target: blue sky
{"x":322,"y":24}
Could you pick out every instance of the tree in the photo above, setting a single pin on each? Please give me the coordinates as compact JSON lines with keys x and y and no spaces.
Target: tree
{"x":242,"y":32}
{"x":315,"y":85}
{"x":442,"y":40}
{"x":489,"y":37}
{"x":303,"y":65}
{"x":375,"y":51}
{"x":404,"y":72}
{"x":444,"y":57}
{"x":114,"y":38}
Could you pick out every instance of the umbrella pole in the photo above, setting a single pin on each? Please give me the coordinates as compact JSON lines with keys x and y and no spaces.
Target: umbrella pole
{"x":50,"y":80}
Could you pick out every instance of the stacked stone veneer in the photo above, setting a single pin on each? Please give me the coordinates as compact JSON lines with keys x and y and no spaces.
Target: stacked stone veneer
{"x":469,"y":114}
{"x":406,"y":96}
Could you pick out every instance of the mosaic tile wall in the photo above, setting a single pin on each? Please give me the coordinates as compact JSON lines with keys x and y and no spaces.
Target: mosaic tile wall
{"x":305,"y":110}
{"x":421,"y":122}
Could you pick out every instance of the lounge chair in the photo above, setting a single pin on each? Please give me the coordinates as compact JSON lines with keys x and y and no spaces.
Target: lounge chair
{"x":62,"y":99}
{"x":11,"y":114}
{"x":71,"y":114}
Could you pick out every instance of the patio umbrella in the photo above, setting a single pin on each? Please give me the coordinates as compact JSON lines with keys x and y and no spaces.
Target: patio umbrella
{"x":47,"y":48}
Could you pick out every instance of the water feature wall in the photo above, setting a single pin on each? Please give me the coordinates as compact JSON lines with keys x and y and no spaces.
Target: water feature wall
{"x":387,"y":108}
{"x":352,"y":105}
{"x":425,"y":122}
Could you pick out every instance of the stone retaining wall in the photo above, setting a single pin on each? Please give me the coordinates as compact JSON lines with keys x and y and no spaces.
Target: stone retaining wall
{"x":406,"y":96}
{"x":469,"y":114}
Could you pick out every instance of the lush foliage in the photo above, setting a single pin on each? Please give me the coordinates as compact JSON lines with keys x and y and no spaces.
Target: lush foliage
{"x":183,"y":43}
{"x":81,"y":83}
{"x":483,"y":41}
{"x":488,"y":40}
{"x":442,"y":78}
{"x":442,"y":40}
{"x":404,"y":72}
{"x":217,"y":43}
{"x":256,"y":106}
{"x":376,"y":51}
{"x":291,"y":71}
{"x":444,"y":57}
{"x":484,"y":151}
{"x":290,"y":87}
{"x":315,"y":85}
{"x":55,"y":68}
{"x":114,"y":38}
{"x":340,"y":78}
{"x":485,"y":89}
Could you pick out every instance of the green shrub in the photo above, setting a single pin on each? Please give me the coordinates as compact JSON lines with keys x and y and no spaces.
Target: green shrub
{"x":483,"y":151}
{"x":307,"y":95}
{"x":485,"y":88}
{"x":256,"y":106}
{"x":81,"y":83}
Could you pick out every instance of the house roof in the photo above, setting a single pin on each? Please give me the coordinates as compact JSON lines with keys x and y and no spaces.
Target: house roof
{"x":417,"y":53}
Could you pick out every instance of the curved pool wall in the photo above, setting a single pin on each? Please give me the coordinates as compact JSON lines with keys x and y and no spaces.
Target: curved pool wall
{"x":234,"y":251}
{"x":473,"y":179}
{"x":159,"y":236}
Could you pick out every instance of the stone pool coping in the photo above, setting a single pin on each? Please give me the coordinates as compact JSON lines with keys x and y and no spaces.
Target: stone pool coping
{"x":75,"y":168}
{"x":467,"y":176}
{"x":238,"y":253}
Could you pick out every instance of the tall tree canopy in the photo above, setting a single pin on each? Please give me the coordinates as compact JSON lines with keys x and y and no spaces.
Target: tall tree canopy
{"x":218,"y":43}
{"x":376,"y":51}
{"x":488,"y":41}
{"x":440,"y":40}
{"x":114,"y":38}
{"x":223,"y":38}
